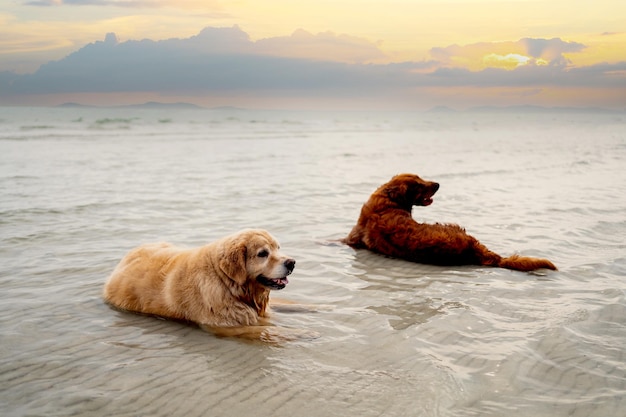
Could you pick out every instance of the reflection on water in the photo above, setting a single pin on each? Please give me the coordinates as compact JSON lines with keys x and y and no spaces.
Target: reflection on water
{"x":81,"y":187}
{"x":400,"y":287}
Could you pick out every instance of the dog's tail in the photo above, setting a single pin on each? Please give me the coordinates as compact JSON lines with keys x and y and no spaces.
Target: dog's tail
{"x":525,"y":263}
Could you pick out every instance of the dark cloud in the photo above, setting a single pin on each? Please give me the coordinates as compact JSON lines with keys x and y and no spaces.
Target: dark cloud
{"x":111,"y":38}
{"x":217,"y":59}
{"x":42,"y":3}
{"x":551,"y":50}
{"x":595,"y":76}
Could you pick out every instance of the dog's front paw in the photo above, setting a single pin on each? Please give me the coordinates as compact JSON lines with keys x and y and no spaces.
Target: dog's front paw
{"x":280,"y":335}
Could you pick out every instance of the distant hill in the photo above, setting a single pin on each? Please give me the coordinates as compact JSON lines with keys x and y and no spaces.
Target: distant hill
{"x":540,"y":109}
{"x":73,"y":105}
{"x":442,"y":109}
{"x":227,"y":108}
{"x":525,"y":109}
{"x":157,"y":105}
{"x":148,"y":105}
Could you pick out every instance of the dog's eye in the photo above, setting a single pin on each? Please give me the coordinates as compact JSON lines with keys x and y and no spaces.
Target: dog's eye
{"x":263,"y":254}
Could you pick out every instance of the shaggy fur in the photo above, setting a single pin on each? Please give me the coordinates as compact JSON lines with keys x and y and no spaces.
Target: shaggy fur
{"x":387,"y":227}
{"x":223,"y":286}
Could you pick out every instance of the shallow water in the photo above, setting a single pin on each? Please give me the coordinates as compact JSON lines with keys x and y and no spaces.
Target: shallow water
{"x":80,"y":187}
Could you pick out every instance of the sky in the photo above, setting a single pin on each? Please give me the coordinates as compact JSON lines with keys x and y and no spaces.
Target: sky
{"x":315,"y":54}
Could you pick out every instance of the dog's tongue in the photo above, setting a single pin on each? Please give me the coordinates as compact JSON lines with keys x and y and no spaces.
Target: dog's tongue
{"x":283,"y":281}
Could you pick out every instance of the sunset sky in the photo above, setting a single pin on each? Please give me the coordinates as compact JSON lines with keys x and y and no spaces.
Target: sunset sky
{"x":395,"y":54}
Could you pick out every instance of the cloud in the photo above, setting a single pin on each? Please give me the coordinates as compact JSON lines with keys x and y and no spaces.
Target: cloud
{"x":217,"y":59}
{"x":301,"y":44}
{"x":594,"y":76}
{"x":550,"y":50}
{"x":323,"y":46}
{"x":536,"y":52}
{"x":210,"y":40}
{"x":508,"y":61}
{"x":225,"y":61}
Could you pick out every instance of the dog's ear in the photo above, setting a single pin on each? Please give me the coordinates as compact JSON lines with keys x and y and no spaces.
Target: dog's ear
{"x":233,"y":262}
{"x":397,"y":192}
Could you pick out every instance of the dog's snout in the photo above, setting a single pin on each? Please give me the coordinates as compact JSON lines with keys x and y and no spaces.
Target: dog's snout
{"x":290,"y":264}
{"x":435,"y":186}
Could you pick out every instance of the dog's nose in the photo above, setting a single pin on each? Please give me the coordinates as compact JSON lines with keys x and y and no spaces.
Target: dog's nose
{"x":435,"y":186}
{"x":290,"y":264}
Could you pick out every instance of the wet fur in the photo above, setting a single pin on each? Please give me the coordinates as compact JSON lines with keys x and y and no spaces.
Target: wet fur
{"x":386,"y":226}
{"x":216,"y":286}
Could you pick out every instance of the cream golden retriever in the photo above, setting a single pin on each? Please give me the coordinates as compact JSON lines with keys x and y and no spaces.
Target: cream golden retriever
{"x":223,"y":286}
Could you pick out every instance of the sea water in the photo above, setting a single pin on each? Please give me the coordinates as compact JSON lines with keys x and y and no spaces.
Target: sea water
{"x":79,"y":187}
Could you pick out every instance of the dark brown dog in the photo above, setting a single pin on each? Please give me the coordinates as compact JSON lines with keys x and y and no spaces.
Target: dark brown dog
{"x":387,"y":227}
